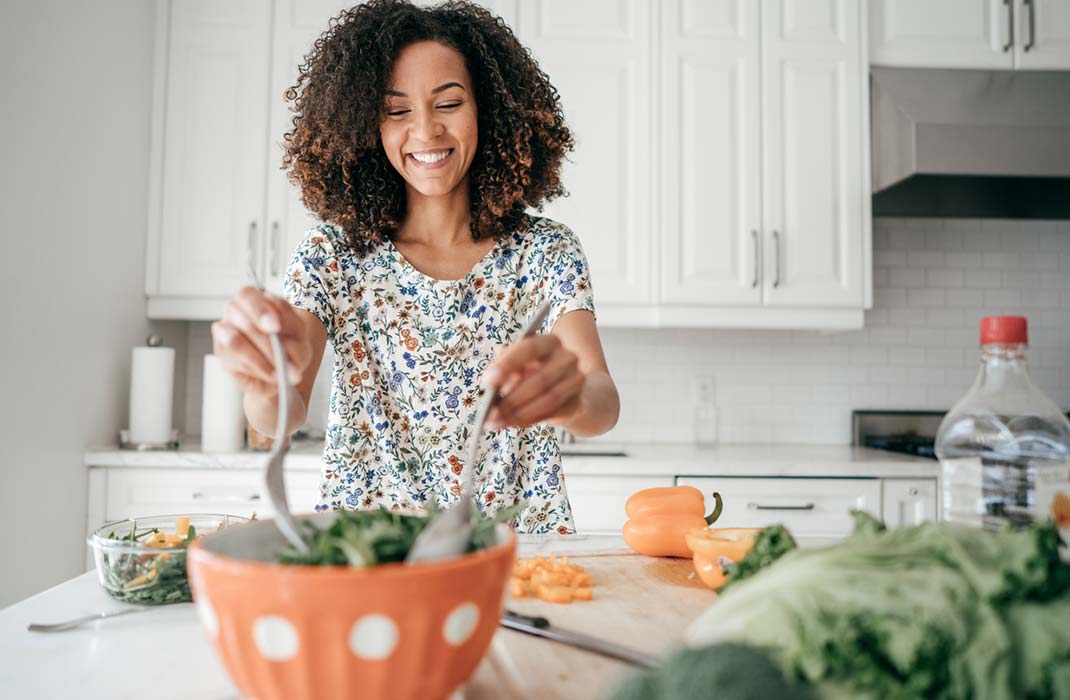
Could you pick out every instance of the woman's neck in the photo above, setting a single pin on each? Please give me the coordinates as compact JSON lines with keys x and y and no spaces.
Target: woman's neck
{"x":440,"y":221}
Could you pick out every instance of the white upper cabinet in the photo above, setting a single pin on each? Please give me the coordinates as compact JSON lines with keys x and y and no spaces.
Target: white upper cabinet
{"x":1043,"y":34}
{"x":710,"y":148}
{"x":812,"y":114}
{"x":941,"y":33}
{"x":297,"y":25}
{"x":210,"y":154}
{"x":981,"y":34}
{"x":598,"y":54}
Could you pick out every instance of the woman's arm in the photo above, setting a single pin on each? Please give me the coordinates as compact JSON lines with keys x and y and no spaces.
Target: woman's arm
{"x":561,"y":378}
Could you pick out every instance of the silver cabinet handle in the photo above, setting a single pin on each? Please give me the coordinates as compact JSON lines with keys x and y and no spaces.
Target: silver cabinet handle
{"x":757,"y":255}
{"x":759,"y":506}
{"x":912,"y":491}
{"x":252,"y":248}
{"x":274,"y":248}
{"x":1030,"y":4}
{"x":234,"y":498}
{"x":776,"y":259}
{"x":1010,"y":25}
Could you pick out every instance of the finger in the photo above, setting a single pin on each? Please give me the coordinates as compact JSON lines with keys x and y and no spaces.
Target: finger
{"x":515,"y":357}
{"x":292,"y":335}
{"x":551,"y":373}
{"x":253,"y":385}
{"x":260,"y":309}
{"x":560,"y":400}
{"x":237,"y":354}
{"x":241,"y":316}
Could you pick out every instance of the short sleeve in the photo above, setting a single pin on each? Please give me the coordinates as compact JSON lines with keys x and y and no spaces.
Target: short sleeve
{"x":312,"y":276}
{"x":567,"y":275}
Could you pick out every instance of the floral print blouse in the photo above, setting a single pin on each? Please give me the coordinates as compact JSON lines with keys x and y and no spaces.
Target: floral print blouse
{"x":408,"y":354}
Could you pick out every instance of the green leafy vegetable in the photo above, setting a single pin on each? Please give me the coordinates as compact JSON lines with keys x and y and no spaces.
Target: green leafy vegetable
{"x":370,"y":537}
{"x":771,"y":543}
{"x":717,"y":672}
{"x":933,"y":611}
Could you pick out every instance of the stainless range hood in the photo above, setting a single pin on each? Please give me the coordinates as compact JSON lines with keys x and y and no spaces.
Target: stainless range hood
{"x":971,"y":143}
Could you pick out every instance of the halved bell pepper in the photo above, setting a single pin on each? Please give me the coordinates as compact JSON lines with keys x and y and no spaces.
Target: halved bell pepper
{"x":659,"y":518}
{"x":715,"y":548}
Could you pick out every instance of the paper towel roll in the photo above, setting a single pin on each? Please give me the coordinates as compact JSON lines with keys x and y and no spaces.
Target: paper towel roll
{"x":222,"y":416}
{"x":152,"y":373}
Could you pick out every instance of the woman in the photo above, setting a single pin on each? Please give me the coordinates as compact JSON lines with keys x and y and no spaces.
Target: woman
{"x":422,"y":135}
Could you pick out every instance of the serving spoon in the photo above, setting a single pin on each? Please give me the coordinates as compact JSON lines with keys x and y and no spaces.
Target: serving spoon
{"x":272,"y":482}
{"x":450,"y":532}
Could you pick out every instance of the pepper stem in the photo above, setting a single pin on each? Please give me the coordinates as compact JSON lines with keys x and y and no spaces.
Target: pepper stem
{"x":712,"y":517}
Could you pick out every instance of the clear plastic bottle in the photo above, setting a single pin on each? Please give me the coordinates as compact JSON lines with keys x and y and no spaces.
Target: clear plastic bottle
{"x":1005,"y":446}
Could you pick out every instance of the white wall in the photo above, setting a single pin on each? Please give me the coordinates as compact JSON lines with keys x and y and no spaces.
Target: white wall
{"x":934,"y":280}
{"x":77,"y":82}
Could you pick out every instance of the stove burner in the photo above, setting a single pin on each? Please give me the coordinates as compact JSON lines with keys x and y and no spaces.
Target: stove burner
{"x":916,"y":445}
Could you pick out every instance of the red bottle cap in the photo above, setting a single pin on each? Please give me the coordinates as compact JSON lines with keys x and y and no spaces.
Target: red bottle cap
{"x":1005,"y":330}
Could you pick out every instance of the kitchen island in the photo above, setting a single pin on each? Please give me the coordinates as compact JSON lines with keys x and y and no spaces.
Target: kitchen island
{"x":163,"y":653}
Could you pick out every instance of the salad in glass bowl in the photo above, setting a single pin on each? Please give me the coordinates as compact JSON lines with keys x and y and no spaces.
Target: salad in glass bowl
{"x":143,"y":560}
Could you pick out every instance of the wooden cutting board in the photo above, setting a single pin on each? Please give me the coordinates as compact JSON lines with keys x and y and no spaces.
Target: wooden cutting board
{"x":643,"y":602}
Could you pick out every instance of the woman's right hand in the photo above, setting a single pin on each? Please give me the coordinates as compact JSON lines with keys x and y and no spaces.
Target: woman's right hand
{"x":241,"y":340}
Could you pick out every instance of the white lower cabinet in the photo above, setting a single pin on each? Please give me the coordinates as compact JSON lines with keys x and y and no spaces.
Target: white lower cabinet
{"x":909,"y":501}
{"x":140,"y":492}
{"x":815,"y":510}
{"x":598,"y":501}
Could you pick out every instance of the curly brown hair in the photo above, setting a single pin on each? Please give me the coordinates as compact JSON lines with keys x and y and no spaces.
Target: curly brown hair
{"x":334,"y":153}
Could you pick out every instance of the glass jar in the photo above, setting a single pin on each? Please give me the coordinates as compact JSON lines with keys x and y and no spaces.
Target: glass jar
{"x":1004,"y":447}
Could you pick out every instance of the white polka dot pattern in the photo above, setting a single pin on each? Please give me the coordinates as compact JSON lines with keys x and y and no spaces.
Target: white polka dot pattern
{"x":460,"y":624}
{"x":373,"y":637}
{"x":206,"y":612}
{"x":275,"y":637}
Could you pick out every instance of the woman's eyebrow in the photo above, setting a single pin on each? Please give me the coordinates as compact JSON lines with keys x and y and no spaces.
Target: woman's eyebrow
{"x":437,"y":90}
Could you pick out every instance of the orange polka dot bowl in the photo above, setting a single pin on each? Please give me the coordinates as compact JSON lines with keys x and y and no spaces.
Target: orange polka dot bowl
{"x":394,"y":631}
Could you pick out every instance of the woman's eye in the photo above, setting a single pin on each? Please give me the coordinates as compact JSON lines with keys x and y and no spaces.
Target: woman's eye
{"x":449,"y":105}
{"x":397,"y":112}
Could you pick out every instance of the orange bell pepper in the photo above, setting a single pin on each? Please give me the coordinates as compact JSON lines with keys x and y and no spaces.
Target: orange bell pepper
{"x":715,"y":548}
{"x":659,"y":518}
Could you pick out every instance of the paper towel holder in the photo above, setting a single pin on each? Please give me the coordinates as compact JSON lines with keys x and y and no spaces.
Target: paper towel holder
{"x":153,"y":341}
{"x":125,"y":444}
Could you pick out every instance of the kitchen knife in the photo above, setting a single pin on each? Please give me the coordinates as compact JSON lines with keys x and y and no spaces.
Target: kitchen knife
{"x":541,"y":627}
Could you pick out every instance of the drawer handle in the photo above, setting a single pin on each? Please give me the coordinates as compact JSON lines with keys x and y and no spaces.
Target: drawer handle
{"x":200,"y":496}
{"x":759,"y":506}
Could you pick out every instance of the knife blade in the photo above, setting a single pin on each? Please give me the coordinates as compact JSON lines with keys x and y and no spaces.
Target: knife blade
{"x":541,"y":627}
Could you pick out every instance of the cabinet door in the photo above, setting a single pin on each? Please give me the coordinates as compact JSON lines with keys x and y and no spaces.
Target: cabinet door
{"x":598,"y":501}
{"x":813,"y":77}
{"x":942,"y":34}
{"x":908,"y":501}
{"x":710,"y":152}
{"x":1043,"y":40}
{"x":213,"y":153}
{"x":598,"y":54}
{"x":814,"y":510}
{"x":297,"y":25}
{"x":134,"y":493}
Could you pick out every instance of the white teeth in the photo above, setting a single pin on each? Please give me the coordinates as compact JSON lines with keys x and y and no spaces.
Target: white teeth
{"x":430,"y":157}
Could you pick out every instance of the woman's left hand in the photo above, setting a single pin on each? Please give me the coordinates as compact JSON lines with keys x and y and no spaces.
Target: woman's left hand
{"x":539,"y":380}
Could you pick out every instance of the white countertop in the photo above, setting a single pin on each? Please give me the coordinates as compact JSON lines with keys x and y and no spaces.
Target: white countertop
{"x":161,"y":654}
{"x":641,"y":459}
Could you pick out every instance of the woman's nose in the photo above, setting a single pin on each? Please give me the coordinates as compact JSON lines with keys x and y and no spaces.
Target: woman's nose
{"x":427,"y":127}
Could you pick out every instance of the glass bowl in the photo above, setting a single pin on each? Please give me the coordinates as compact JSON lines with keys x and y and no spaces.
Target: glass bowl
{"x":143,"y":560}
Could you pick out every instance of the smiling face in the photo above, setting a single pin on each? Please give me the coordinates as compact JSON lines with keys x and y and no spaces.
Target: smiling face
{"x":430,"y":131}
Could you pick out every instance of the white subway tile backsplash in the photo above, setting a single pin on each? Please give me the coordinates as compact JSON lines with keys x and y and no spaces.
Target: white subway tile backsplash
{"x":945,"y":278}
{"x":1008,"y":299}
{"x":958,"y":298}
{"x":947,"y":318}
{"x":925,"y":258}
{"x":926,"y":336}
{"x":964,"y":259}
{"x":906,"y":277}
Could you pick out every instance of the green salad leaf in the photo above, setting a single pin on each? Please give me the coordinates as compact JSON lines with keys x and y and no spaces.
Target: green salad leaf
{"x":364,"y":538}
